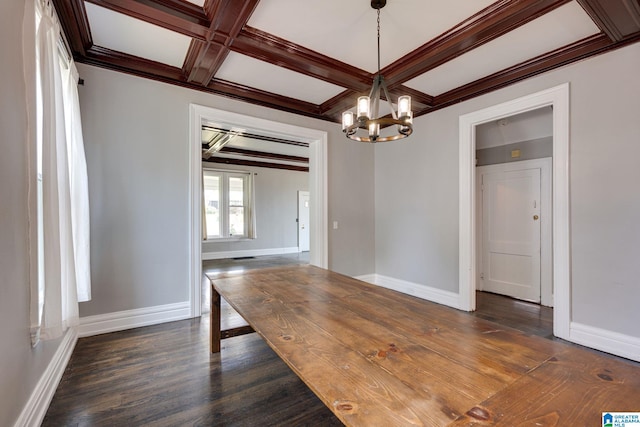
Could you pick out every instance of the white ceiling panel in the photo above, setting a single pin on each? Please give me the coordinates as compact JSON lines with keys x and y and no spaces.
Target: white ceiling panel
{"x":565,"y":25}
{"x":261,"y":75}
{"x":197,"y":2}
{"x":346,"y":30}
{"x":122,"y":33}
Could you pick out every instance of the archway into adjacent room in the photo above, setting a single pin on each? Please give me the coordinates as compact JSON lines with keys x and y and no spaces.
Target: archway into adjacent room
{"x":317,"y":185}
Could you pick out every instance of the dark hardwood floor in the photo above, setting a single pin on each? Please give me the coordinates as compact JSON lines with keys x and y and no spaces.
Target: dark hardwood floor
{"x":533,"y":319}
{"x":164,"y":375}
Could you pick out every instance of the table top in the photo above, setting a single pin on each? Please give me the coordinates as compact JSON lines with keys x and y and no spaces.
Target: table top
{"x":378,"y":357}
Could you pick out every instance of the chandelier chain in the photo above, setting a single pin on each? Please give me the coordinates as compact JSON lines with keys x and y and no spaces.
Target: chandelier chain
{"x":378,"y":41}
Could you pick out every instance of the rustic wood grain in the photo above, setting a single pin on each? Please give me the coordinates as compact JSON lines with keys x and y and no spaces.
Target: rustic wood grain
{"x":573,"y":388}
{"x":378,"y":357}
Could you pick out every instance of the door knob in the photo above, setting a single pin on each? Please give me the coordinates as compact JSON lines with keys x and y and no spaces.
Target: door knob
{"x":535,"y":217}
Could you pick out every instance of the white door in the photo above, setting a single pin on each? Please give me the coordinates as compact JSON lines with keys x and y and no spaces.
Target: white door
{"x":511,"y":233}
{"x":303,"y":221}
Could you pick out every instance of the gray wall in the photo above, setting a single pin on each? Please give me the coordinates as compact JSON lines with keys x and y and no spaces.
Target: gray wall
{"x":529,"y":150}
{"x":20,"y":365}
{"x":416,"y":193}
{"x":276,"y":207}
{"x":416,"y":198}
{"x":137,"y":137}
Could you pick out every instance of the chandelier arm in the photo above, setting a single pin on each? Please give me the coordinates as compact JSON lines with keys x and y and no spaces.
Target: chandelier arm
{"x":386,"y":95}
{"x":374,"y":96}
{"x":375,"y":88}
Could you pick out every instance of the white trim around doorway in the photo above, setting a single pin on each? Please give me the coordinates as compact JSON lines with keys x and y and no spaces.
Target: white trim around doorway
{"x":317,"y":139}
{"x":558,"y":98}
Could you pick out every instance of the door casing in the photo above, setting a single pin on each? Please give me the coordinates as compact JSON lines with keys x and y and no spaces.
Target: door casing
{"x":558,"y":98}
{"x":319,"y":253}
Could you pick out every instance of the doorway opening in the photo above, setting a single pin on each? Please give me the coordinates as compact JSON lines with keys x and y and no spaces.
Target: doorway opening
{"x":317,"y":141}
{"x":558,"y":99}
{"x":513,"y":195}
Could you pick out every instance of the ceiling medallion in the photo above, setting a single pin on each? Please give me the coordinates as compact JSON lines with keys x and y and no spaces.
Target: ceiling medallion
{"x":367,"y":108}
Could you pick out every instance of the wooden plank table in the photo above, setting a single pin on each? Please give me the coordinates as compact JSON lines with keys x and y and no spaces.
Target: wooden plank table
{"x":377,"y":357}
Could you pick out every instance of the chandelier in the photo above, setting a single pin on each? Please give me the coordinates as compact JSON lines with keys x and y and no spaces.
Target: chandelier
{"x":367,"y":108}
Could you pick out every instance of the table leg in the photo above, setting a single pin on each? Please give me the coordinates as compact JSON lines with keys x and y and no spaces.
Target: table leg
{"x":215,"y":321}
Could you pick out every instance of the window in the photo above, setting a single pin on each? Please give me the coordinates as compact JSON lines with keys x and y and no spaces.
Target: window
{"x":227,"y":200}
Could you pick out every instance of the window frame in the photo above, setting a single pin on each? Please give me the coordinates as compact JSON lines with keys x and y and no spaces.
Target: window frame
{"x":224,"y":207}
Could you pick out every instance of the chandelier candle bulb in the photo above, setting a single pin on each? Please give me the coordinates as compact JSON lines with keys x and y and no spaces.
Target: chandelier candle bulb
{"x":363,"y":107}
{"x":405,"y":129}
{"x":374,"y":131}
{"x":347,"y":120}
{"x":404,"y":106}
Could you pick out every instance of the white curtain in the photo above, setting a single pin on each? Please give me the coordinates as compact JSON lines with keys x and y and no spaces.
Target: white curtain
{"x":65,"y":203}
{"x":78,"y":184}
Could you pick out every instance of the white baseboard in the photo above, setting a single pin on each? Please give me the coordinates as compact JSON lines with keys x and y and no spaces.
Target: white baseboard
{"x":121,"y":320}
{"x":36,"y":408}
{"x":450,"y":299}
{"x":369,"y":278}
{"x":249,"y":252}
{"x":601,"y":339}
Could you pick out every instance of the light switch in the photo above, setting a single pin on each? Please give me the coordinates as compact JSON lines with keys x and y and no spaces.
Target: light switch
{"x":335,"y":225}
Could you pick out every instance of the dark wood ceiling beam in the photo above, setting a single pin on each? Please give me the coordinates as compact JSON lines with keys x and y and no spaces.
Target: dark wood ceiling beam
{"x":263,"y":155}
{"x":227,"y":19}
{"x":203,"y":60}
{"x":243,"y":162}
{"x":418,"y":99}
{"x":258,"y":137}
{"x":266,"y":99}
{"x":488,"y":24}
{"x":618,"y":19}
{"x":267,"y":47}
{"x":181,"y":7}
{"x":119,"y":61}
{"x":588,"y":47}
{"x":173,"y":15}
{"x":110,"y":59}
{"x":344,"y":101}
{"x":75,"y":24}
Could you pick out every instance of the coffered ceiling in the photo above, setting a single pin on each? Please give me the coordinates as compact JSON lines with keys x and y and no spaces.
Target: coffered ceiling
{"x":315,"y":57}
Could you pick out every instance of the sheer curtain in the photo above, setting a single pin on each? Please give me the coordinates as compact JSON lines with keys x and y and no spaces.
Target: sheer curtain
{"x":64,"y":233}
